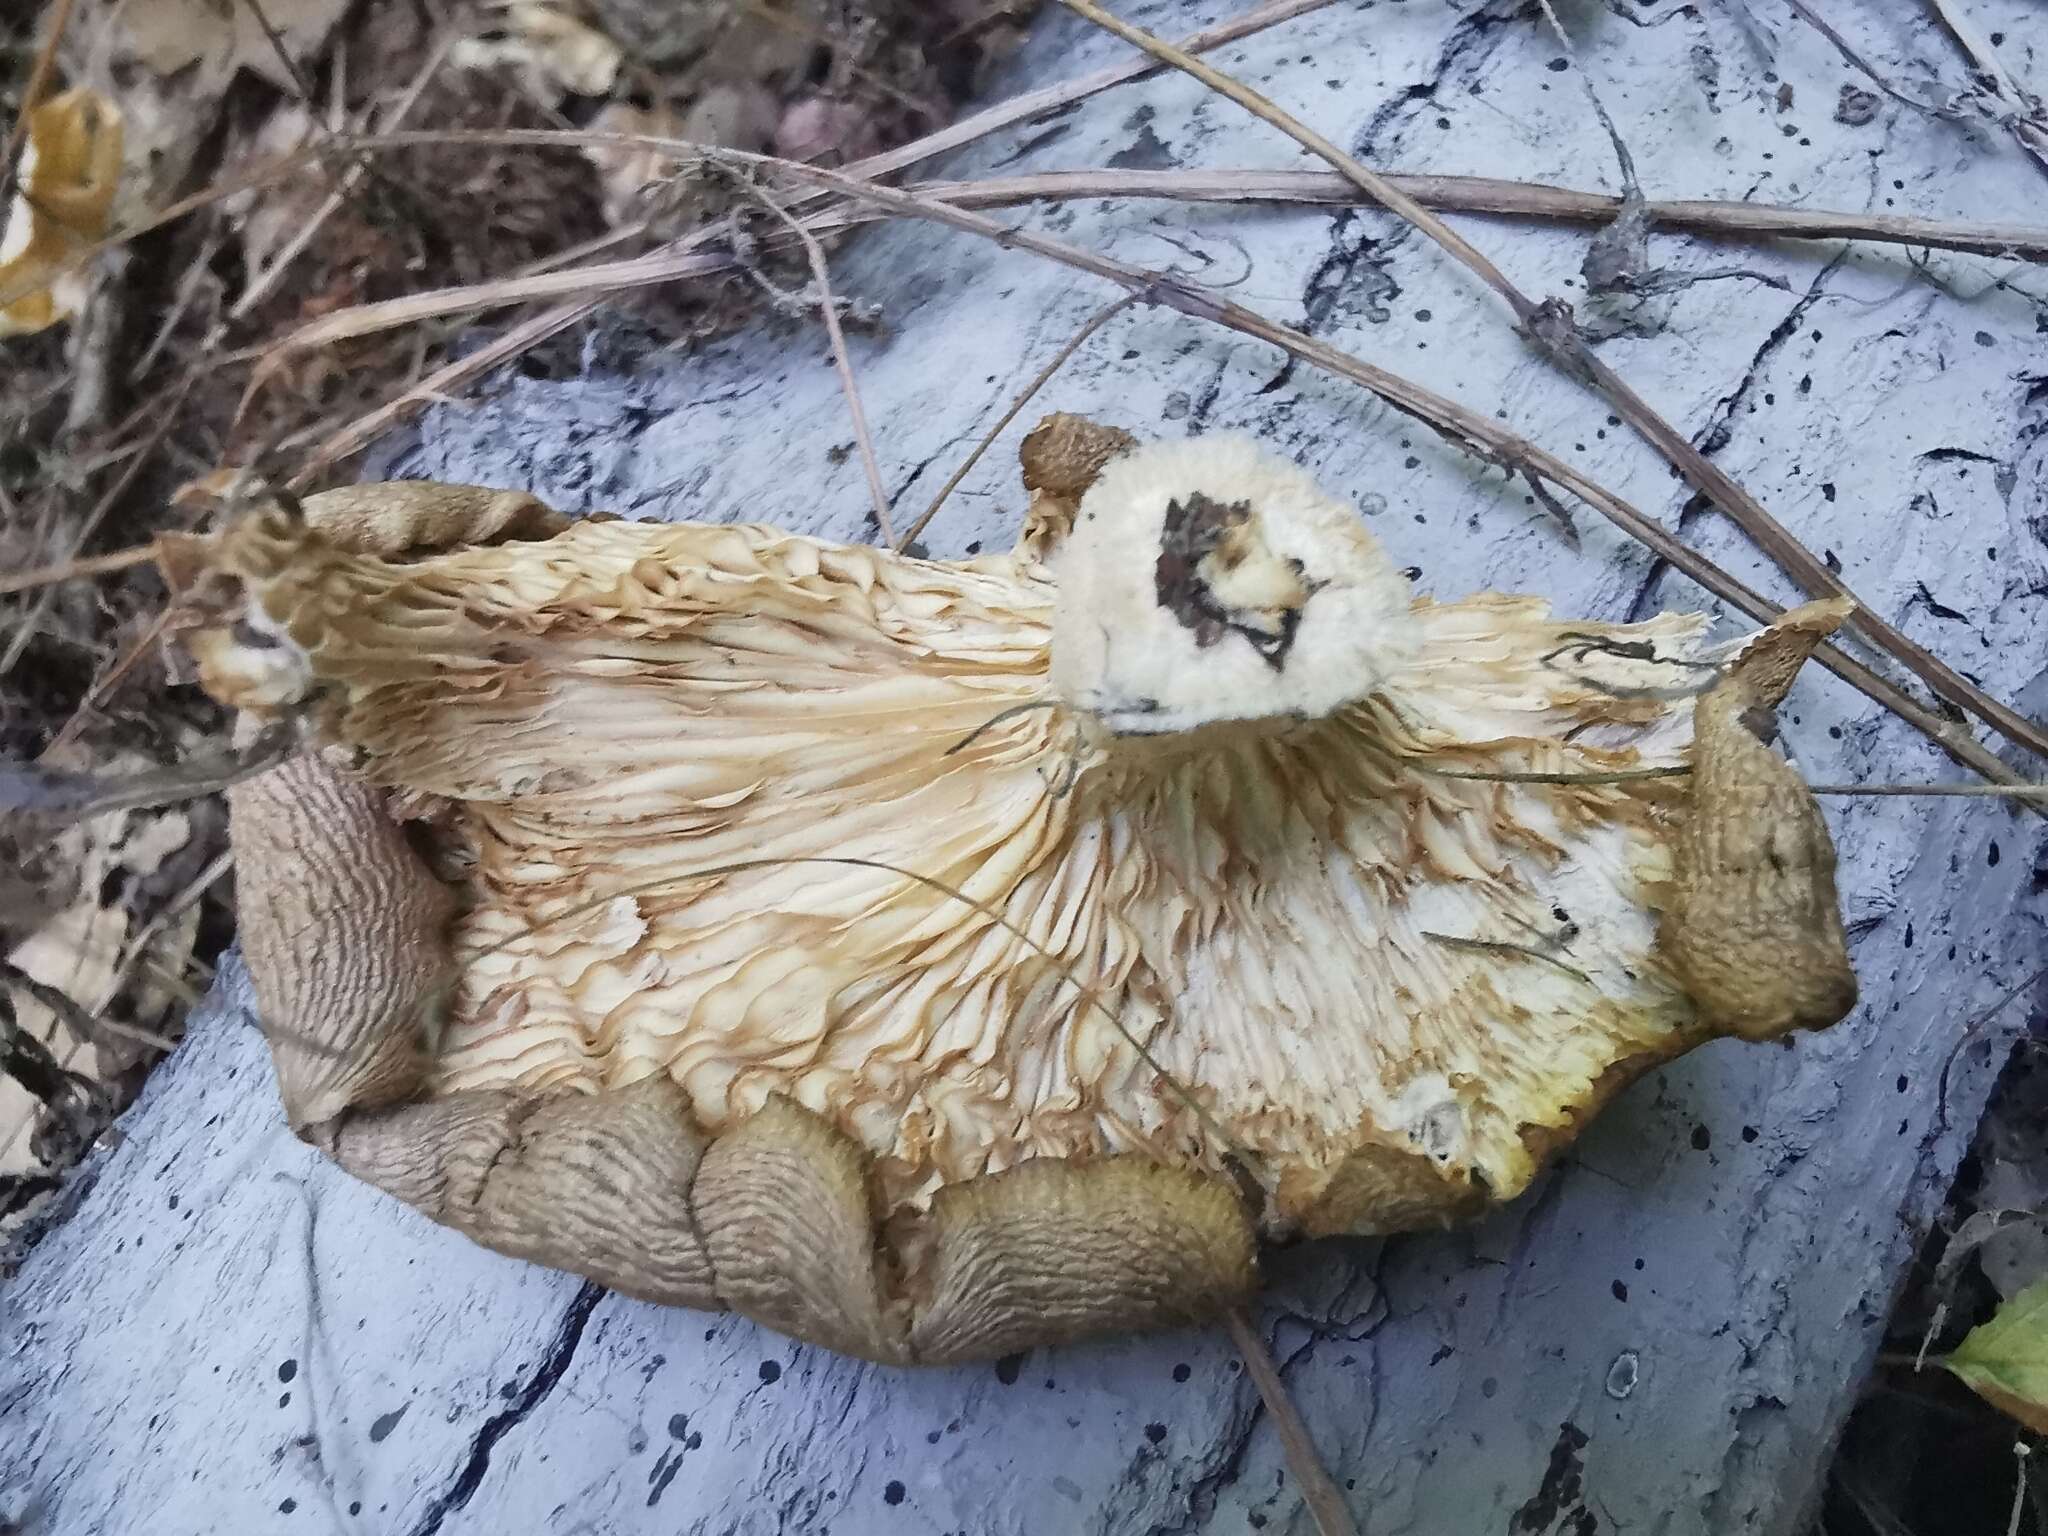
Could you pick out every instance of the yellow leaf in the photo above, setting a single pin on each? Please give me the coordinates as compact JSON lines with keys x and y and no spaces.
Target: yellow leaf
{"x":68,"y":174}
{"x":2005,"y":1361}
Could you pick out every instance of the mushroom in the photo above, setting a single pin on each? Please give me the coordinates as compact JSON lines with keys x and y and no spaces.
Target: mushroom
{"x":934,"y":958}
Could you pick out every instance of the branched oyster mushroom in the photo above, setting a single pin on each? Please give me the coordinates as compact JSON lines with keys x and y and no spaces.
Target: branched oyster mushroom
{"x":929,"y":959}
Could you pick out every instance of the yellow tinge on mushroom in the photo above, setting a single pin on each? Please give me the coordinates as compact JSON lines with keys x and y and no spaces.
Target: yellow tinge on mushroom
{"x":929,"y":958}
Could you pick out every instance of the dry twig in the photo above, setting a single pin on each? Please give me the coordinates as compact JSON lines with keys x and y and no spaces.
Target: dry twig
{"x":261,"y":283}
{"x":1497,"y":195}
{"x":1318,"y":1488}
{"x":80,"y":1020}
{"x":191,"y":284}
{"x":1970,"y":1032}
{"x":1057,"y":98}
{"x":33,"y":619}
{"x":1863,"y":66}
{"x":1454,"y":194}
{"x":133,"y":953}
{"x":832,"y":43}
{"x":697,"y":255}
{"x":1680,"y":770}
{"x":105,"y":684}
{"x":364,"y":429}
{"x":76,"y":1106}
{"x":71,"y":570}
{"x":300,"y":83}
{"x":1963,"y":791}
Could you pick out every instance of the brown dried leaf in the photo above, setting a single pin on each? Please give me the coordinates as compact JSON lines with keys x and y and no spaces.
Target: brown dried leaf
{"x":64,"y":973}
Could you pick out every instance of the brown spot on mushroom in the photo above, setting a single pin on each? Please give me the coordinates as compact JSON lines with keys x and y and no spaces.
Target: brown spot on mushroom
{"x":1204,"y":545}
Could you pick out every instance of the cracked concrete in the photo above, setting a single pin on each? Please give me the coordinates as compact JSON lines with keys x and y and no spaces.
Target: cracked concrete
{"x":1664,"y":1334}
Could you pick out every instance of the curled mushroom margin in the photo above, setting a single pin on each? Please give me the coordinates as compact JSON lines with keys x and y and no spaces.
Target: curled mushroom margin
{"x":344,"y":929}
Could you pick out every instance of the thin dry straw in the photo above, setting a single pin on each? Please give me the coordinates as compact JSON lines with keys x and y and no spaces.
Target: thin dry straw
{"x":1095,"y":322}
{"x":1498,"y":947}
{"x":92,"y":565}
{"x":692,"y":255}
{"x":1318,"y":1488}
{"x":1499,"y":196}
{"x":1970,"y":1030}
{"x":821,"y":275}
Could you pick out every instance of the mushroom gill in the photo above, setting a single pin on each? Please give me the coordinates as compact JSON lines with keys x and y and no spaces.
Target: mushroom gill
{"x":1168,"y":834}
